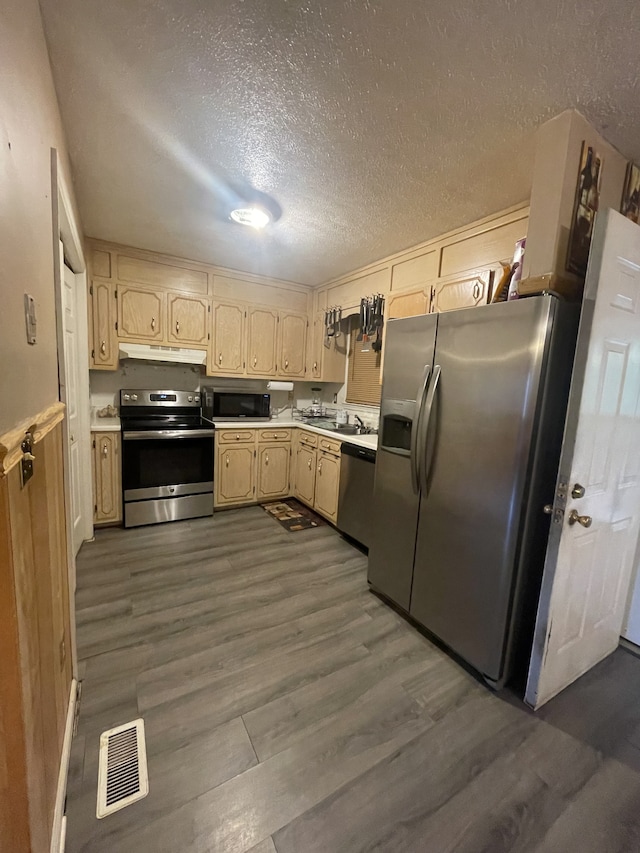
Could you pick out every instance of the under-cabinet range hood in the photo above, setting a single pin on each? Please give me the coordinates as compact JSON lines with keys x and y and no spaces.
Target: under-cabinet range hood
{"x":176,"y":355}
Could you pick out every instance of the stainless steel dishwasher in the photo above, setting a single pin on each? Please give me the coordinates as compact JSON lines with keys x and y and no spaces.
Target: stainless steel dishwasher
{"x":357,"y":468}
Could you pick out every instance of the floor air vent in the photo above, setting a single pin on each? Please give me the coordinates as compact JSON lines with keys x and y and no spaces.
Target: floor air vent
{"x":122,"y":773}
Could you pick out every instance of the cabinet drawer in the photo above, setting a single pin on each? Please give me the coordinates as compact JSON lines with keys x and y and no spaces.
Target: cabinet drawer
{"x":238,"y":436}
{"x":308,"y":438}
{"x":330,"y":445}
{"x":274,"y":435}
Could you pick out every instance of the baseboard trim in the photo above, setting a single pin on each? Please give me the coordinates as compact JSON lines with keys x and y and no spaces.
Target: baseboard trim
{"x":59,"y":828}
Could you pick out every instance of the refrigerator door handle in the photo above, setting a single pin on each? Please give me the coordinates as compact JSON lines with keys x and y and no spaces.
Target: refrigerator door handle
{"x":428,"y":411}
{"x":415,"y":429}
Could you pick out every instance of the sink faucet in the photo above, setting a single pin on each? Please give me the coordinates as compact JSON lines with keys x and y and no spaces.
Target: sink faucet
{"x":359,"y":421}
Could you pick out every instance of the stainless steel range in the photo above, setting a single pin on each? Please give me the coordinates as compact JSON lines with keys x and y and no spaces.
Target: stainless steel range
{"x":167,"y":457}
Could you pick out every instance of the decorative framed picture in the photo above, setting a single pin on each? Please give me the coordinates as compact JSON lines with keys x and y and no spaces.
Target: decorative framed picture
{"x":630,"y":204}
{"x":584,"y":209}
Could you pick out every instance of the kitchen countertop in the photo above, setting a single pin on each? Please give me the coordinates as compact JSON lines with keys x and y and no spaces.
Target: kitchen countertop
{"x":370,"y":441}
{"x":105,"y":424}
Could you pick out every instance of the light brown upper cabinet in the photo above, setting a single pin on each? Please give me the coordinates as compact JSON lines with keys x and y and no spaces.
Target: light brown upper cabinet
{"x":292,"y":344}
{"x":326,"y":363}
{"x":104,"y":353}
{"x":409,"y":304}
{"x":461,"y":292}
{"x":227,"y":339}
{"x":262,"y":341}
{"x":188,"y":319}
{"x":141,"y":314}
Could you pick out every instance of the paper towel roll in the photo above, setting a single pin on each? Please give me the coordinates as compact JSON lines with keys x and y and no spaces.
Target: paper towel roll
{"x":280,"y":386}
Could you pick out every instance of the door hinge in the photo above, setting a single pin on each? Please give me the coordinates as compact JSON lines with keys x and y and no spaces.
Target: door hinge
{"x":209,"y":309}
{"x":95,"y":508}
{"x":115,"y":293}
{"x":254,"y":454}
{"x":93,"y":353}
{"x":116,"y":325}
{"x":76,"y":713}
{"x":94,"y":444}
{"x":208,"y":336}
{"x":91,"y":290}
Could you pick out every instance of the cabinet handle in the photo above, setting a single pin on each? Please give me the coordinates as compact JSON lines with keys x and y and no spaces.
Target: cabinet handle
{"x":255,"y":360}
{"x":220,"y":359}
{"x":105,"y":450}
{"x":266,"y":459}
{"x":237,"y":436}
{"x":286,"y":363}
{"x":320,"y":467}
{"x":476,"y":290}
{"x":227,"y":460}
{"x":315,"y":365}
{"x":153,"y":324}
{"x":309,"y":463}
{"x":103,"y":347}
{"x":177,"y":327}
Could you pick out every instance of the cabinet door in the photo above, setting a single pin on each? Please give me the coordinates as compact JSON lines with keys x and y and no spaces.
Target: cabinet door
{"x":140,"y":314}
{"x":305,"y":474}
{"x":465,"y":292}
{"x":293,"y":342}
{"x":104,"y":355}
{"x":188,"y":320}
{"x":234,"y":475}
{"x":107,"y":488}
{"x":262,"y":342}
{"x":227,"y":346}
{"x":408,"y":304}
{"x":315,"y":347}
{"x":273,"y":471}
{"x":327,"y":485}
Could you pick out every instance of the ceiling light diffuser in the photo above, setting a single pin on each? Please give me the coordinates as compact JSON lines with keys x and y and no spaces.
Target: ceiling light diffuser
{"x":256,"y":217}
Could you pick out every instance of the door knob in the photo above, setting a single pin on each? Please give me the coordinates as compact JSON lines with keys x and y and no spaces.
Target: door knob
{"x":577,"y":491}
{"x":584,"y":520}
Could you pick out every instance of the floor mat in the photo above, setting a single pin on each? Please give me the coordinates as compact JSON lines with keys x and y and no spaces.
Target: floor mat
{"x":293,"y":515}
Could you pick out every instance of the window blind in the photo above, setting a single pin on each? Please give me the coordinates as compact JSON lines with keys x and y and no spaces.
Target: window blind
{"x":363,"y":376}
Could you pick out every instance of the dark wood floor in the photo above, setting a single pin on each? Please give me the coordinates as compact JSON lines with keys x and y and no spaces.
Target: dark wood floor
{"x":287,"y":709}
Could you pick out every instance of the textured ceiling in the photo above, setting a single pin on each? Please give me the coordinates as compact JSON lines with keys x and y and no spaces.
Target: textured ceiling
{"x":374,"y":123}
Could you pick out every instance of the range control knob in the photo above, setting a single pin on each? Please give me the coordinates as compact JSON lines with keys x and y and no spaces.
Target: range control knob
{"x":197,"y":399}
{"x":134,"y":396}
{"x":190,"y":399}
{"x":126,"y":397}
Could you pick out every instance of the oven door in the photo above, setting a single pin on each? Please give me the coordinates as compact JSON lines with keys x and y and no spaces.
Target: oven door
{"x":166,"y":463}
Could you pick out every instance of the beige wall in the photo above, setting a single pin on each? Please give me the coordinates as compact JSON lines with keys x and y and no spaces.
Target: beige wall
{"x":555,"y":175}
{"x":29,"y":127}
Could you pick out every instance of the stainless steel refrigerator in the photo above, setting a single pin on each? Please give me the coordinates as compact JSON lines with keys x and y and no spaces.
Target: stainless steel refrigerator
{"x":471,"y":424}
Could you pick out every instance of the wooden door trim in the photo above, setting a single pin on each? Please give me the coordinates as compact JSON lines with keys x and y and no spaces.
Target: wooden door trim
{"x":40,"y":425}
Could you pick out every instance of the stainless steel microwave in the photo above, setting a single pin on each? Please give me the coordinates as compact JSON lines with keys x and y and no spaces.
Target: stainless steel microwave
{"x":231,"y":404}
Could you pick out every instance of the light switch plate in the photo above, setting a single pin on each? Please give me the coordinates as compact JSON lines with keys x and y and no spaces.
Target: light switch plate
{"x":30,"y":317}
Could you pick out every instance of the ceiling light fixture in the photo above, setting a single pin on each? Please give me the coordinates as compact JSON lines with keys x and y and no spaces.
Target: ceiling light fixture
{"x":254,"y":216}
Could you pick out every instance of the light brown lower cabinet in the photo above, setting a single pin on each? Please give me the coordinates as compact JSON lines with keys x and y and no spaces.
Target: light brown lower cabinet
{"x":107,"y":478}
{"x":235,"y":474}
{"x":316,"y":478}
{"x":273,"y":471}
{"x":304,"y":484}
{"x":327,"y":485}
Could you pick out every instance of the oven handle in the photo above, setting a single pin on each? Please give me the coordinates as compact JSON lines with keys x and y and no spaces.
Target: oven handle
{"x":167,"y":433}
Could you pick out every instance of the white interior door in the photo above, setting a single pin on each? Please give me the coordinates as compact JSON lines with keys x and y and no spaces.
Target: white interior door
{"x":588,"y":568}
{"x":74,"y":392}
